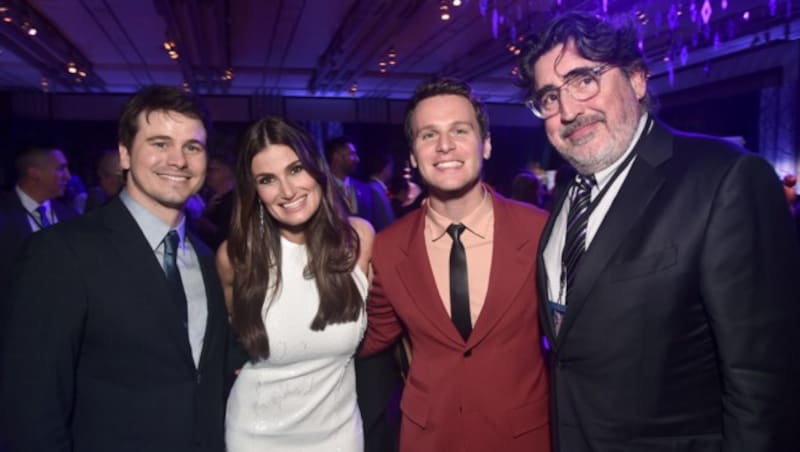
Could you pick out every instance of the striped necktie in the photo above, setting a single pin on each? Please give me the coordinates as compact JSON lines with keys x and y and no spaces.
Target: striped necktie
{"x":577,"y":219}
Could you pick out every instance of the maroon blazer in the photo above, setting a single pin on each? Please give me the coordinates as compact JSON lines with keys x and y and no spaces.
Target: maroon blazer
{"x":490,"y":393}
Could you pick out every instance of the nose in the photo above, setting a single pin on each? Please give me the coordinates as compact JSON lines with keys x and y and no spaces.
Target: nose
{"x":569,"y":108}
{"x":176,"y":157}
{"x":287,"y":190}
{"x":445,"y":143}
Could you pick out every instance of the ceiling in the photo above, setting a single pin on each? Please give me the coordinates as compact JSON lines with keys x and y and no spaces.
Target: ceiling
{"x":325,"y":48}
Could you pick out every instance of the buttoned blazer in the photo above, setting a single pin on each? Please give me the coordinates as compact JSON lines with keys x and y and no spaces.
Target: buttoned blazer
{"x":95,"y":357}
{"x":681,"y":328}
{"x":490,"y":392}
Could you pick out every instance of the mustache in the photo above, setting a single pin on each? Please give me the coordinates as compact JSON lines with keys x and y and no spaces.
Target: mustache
{"x":580,"y":122}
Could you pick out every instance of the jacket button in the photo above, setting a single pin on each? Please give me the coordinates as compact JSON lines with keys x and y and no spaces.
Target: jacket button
{"x":467,"y":353}
{"x":199,"y":377}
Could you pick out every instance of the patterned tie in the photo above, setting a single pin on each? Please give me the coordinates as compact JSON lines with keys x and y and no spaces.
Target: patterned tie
{"x":43,"y":219}
{"x":171,"y":243}
{"x":577,"y":218}
{"x":459,"y":284}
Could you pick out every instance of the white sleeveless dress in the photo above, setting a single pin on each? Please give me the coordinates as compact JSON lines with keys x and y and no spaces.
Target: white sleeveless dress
{"x":303,"y":397}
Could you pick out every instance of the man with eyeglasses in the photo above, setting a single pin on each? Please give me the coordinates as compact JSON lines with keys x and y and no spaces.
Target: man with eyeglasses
{"x":668,"y":271}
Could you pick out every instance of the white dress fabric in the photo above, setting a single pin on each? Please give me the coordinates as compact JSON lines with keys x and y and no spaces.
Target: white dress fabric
{"x":303,"y":397}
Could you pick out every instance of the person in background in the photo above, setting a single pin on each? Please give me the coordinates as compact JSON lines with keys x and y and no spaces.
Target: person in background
{"x":378,"y":377}
{"x":526,"y":187}
{"x":114,"y":335}
{"x":109,"y":177}
{"x":214,"y":225}
{"x":42,"y":177}
{"x":380,"y":174}
{"x":294,"y":269}
{"x":75,"y":194}
{"x":668,"y":269}
{"x":458,"y":275}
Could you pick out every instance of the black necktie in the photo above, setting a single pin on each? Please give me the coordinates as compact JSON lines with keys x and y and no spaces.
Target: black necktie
{"x":171,"y":242}
{"x":577,"y":219}
{"x":459,"y":284}
{"x":44,"y":221}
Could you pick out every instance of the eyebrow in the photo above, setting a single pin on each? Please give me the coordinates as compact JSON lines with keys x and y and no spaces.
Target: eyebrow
{"x":569,"y":75}
{"x":158,"y":137}
{"x":169,"y":138}
{"x":289,"y":166}
{"x":454,"y":123}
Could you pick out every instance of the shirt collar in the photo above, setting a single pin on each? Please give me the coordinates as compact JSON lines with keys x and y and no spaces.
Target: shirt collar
{"x":29,"y":203}
{"x":477,"y":222}
{"x":602,"y":177}
{"x":153,"y":228}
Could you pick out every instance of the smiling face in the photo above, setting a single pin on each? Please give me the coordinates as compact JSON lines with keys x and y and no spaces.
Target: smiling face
{"x":166,"y":163}
{"x":590,"y":134}
{"x":287,"y":190}
{"x":447,"y":146}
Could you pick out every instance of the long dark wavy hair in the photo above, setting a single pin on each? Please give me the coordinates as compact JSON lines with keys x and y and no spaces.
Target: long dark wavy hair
{"x":254,"y":243}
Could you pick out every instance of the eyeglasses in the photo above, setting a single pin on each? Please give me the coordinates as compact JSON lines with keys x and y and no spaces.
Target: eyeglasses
{"x":580,"y":84}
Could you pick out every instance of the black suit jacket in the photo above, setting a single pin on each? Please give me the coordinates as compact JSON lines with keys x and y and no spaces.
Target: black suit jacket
{"x":94,"y":354}
{"x":15,"y":228}
{"x":681,"y":330}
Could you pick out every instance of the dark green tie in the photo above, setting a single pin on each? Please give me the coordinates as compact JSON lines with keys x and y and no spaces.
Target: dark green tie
{"x":171,"y":243}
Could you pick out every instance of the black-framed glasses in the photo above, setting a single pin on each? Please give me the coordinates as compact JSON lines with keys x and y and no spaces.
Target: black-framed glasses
{"x":581,"y":85}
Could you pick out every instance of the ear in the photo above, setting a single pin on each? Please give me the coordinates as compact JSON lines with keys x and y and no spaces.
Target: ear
{"x":487,"y":147}
{"x":413,"y":160}
{"x":33,"y":172}
{"x":124,"y":157}
{"x":638,"y":81}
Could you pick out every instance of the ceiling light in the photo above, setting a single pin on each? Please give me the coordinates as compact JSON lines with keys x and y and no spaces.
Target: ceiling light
{"x":444,"y":10}
{"x":456,"y":2}
{"x":71,"y":68}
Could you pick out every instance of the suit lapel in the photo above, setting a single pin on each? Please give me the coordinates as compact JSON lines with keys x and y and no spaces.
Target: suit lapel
{"x":19,"y":215}
{"x":214,"y":297}
{"x":133,"y":251}
{"x":512,"y":265}
{"x":415,"y":274}
{"x":541,"y":274}
{"x":637,"y":191}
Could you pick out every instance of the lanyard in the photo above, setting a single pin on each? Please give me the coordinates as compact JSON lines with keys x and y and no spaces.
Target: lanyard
{"x":592,"y":205}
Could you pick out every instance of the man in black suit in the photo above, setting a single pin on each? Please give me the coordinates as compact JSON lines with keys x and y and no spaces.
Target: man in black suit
{"x":378,"y":380}
{"x":668,"y":272}
{"x":42,"y":175}
{"x":115,"y":328}
{"x":361,"y":197}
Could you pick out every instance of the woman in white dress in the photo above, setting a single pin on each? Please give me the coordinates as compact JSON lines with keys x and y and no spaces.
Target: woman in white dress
{"x":294,"y":269}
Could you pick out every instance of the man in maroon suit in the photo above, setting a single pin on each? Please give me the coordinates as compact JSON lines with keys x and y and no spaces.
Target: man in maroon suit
{"x":458,"y":275}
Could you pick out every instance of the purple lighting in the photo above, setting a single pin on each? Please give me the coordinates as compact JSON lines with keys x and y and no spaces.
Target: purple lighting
{"x":746,"y":16}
